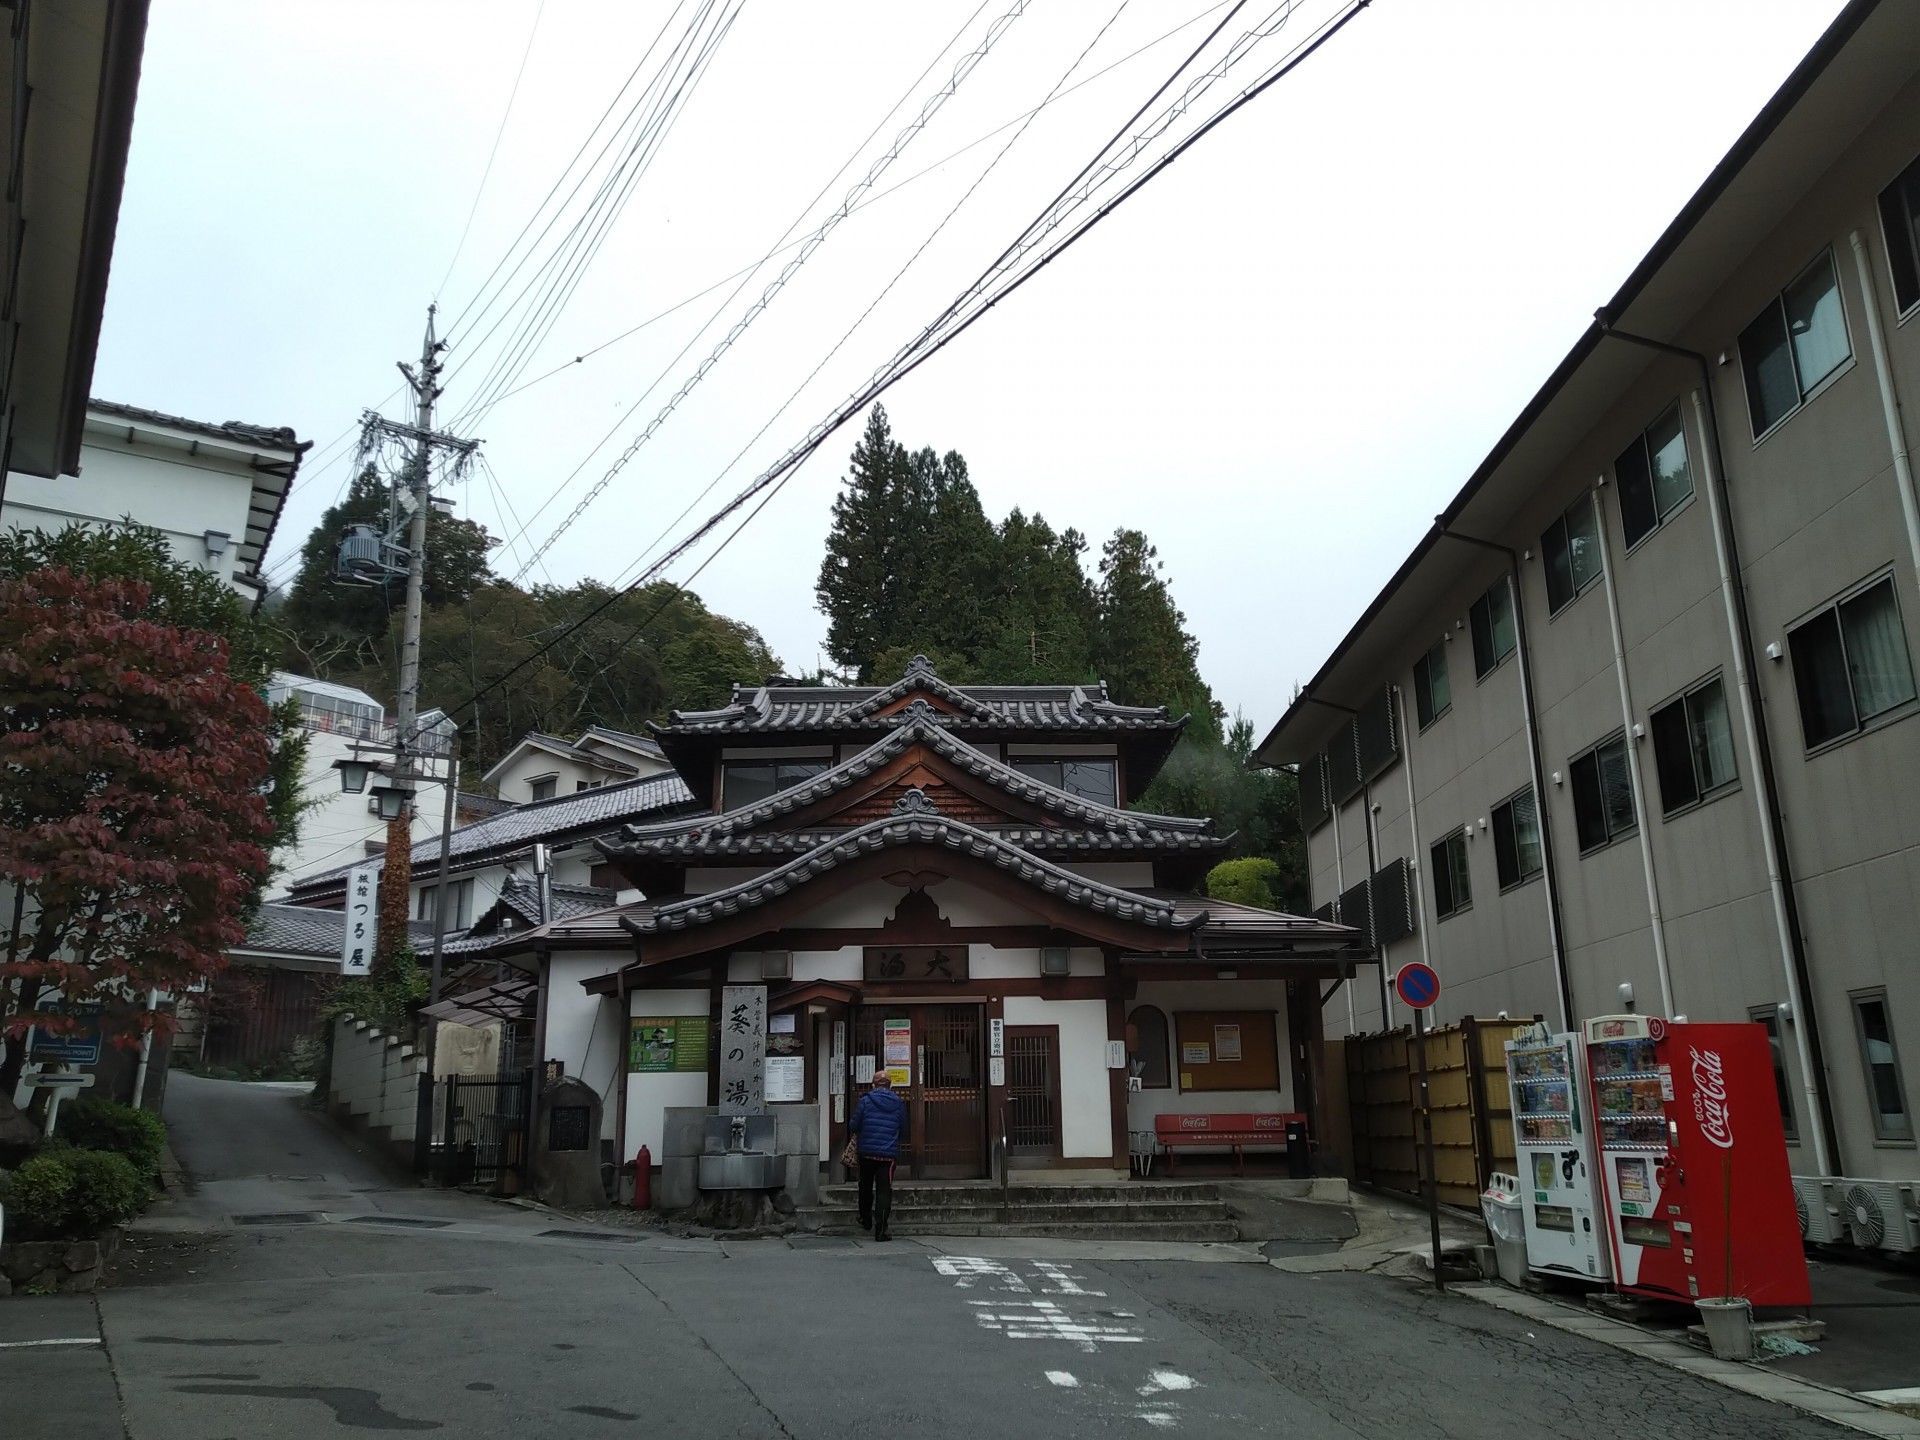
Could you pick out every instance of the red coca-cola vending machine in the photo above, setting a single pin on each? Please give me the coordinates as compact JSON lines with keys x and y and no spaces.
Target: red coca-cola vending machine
{"x":1693,"y":1162}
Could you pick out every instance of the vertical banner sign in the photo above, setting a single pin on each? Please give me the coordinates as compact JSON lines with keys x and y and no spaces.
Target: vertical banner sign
{"x":743,"y":1050}
{"x":996,"y":1039}
{"x":897,"y":1059}
{"x":837,"y":1070}
{"x":363,"y":919}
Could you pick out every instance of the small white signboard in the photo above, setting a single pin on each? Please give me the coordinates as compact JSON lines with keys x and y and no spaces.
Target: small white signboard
{"x":786,"y":1079}
{"x":996,"y":1038}
{"x":362,"y":930}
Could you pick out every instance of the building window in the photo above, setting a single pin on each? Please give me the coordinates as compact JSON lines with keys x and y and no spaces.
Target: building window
{"x":542,"y":789}
{"x":1886,"y":1088}
{"x":1850,"y":663}
{"x":1571,"y":548}
{"x":1602,"y":794}
{"x":747,"y":782}
{"x":1900,"y":224}
{"x":459,"y":916}
{"x":1452,"y":885}
{"x":1693,"y":746}
{"x":1794,"y":344}
{"x":1083,"y":779}
{"x":1150,"y":1057}
{"x":1432,"y":697}
{"x":1516,"y":838}
{"x":1767,"y":1017}
{"x":1654,"y":475}
{"x":1493,"y":629}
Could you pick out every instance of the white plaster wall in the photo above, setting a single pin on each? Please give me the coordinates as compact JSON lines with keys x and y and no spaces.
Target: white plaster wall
{"x":584,"y":1029}
{"x":1086,"y":1107}
{"x":1176,"y":995}
{"x":336,"y":830}
{"x":846,"y":963}
{"x":515,"y":783}
{"x":650,"y":1096}
{"x":992,"y":962}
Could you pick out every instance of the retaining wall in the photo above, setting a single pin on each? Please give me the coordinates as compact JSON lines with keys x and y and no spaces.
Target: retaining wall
{"x":375,"y":1083}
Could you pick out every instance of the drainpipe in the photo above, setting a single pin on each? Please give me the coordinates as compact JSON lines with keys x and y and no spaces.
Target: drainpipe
{"x":1656,"y":924}
{"x":1889,"y":405}
{"x":1339,"y":889}
{"x":1373,"y":866}
{"x":1532,"y":728}
{"x":1413,"y":826}
{"x":1773,"y":830}
{"x":146,"y":1052}
{"x":623,"y":1032}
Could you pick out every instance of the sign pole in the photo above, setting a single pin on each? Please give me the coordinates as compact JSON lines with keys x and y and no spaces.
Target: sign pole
{"x":1426,"y":1143}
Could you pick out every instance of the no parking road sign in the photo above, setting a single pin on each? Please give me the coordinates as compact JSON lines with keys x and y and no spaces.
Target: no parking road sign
{"x":1417,"y":985}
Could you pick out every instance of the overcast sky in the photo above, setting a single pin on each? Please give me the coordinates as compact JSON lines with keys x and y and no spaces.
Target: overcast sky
{"x":1279,"y":360}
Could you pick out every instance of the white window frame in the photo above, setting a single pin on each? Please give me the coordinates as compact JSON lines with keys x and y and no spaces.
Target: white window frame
{"x":1807,"y":396}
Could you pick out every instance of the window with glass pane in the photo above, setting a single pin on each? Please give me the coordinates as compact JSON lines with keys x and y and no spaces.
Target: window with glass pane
{"x":1431,"y":693}
{"x":1493,"y":632}
{"x":1794,"y":344}
{"x":1085,"y":779}
{"x":1516,"y":839}
{"x":1667,"y":457}
{"x":1149,"y":1054}
{"x":747,"y":782}
{"x":1693,"y":746}
{"x":1602,"y":793}
{"x":1886,"y":1086}
{"x":1452,"y":886}
{"x":1767,"y":1017}
{"x":1571,"y":549}
{"x":543,"y":789}
{"x":1850,"y":663}
{"x":1900,"y":224}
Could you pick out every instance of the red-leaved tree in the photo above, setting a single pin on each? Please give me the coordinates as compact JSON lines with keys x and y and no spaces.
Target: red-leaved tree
{"x":133,"y":830}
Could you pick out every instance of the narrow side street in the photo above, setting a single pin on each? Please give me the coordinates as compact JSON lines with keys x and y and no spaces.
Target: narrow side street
{"x":341,"y":1315}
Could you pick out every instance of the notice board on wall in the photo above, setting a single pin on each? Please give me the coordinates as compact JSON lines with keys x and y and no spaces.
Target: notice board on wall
{"x":1227,"y":1049}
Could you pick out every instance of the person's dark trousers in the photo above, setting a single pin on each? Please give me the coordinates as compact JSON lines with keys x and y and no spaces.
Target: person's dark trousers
{"x":876,"y":1193}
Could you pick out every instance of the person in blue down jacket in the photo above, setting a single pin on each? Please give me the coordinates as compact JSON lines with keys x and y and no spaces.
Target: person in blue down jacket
{"x":879,"y":1126}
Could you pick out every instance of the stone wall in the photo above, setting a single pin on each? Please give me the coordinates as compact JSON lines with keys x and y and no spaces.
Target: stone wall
{"x":375,"y":1083}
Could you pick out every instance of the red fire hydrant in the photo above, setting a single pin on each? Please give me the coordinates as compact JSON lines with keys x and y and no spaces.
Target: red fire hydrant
{"x":643,"y":1179}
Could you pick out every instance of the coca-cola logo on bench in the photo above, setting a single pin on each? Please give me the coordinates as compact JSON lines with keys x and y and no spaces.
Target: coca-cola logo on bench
{"x":1710,"y":1097}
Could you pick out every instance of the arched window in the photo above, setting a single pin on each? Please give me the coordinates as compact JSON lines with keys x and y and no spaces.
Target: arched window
{"x":1147,"y":1047}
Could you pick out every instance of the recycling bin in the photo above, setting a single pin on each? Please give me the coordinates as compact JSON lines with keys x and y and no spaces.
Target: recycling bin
{"x":1506,"y":1226}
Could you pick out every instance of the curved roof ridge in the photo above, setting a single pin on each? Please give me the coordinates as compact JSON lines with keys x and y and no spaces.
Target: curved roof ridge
{"x":920,"y":675}
{"x":913,"y":827}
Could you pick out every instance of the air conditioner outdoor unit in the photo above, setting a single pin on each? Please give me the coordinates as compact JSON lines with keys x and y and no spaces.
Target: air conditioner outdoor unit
{"x":1882,"y":1215}
{"x":1822,"y":1221}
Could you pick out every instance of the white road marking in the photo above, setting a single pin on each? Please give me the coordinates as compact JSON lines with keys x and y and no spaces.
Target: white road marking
{"x":1063,"y":1379}
{"x":1171,"y":1380}
{"x":27,"y":1344}
{"x":1159,"y":1419}
{"x":1058,"y":1280}
{"x":1044,"y":1320}
{"x":964,"y":1270}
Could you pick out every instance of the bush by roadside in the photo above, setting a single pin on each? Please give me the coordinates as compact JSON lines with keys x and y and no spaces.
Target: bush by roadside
{"x":68,"y":1193}
{"x":91,"y":1123}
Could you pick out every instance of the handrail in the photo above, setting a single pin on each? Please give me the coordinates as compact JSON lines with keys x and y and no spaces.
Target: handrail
{"x":1001,"y":1166}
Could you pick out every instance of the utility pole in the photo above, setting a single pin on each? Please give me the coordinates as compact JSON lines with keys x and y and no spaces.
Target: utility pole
{"x":397,"y":875}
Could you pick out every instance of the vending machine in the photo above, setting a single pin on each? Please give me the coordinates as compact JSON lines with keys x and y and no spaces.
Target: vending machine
{"x":1553,"y":1143}
{"x":1693,"y":1162}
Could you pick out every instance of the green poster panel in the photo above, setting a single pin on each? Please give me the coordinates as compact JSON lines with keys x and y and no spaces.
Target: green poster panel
{"x":661,"y":1043}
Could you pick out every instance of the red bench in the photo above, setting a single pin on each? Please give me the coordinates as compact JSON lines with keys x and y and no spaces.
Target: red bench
{"x":1233,"y":1132}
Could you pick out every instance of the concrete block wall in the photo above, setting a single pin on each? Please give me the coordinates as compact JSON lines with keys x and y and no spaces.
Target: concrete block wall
{"x":375,"y":1079}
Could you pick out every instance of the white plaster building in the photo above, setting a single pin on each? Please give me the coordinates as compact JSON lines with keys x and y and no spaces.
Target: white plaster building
{"x":544,"y":767}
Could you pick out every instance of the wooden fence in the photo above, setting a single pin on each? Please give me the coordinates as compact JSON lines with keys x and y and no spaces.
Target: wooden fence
{"x":1472,"y":1109}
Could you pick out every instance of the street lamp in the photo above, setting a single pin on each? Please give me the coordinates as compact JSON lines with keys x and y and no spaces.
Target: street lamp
{"x":353,"y":774}
{"x":390,"y":801}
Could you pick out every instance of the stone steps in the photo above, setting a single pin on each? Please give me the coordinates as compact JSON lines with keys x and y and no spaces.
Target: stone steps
{"x":1191,"y":1231}
{"x":1089,"y":1212}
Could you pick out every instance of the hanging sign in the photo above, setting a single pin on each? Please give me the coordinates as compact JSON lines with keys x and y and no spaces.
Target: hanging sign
{"x":362,"y":929}
{"x":657,"y":1043}
{"x":743,"y":1050}
{"x":936,"y":964}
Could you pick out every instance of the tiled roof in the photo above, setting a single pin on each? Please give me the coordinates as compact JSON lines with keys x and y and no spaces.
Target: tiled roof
{"x":1230,"y":925}
{"x":522,"y":896}
{"x":302,"y":930}
{"x":723,"y":848}
{"x":568,"y":817}
{"x":776,"y":707}
{"x":470,"y":802}
{"x":276,"y":437}
{"x":918,"y":724}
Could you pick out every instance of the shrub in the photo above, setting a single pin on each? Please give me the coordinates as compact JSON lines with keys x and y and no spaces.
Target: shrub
{"x":38,"y":1196}
{"x":100,"y":1124}
{"x":1248,"y":881}
{"x":106,"y":1189}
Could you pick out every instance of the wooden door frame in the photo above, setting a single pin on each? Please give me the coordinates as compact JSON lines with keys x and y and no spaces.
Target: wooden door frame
{"x":916,"y":1011}
{"x":1034,"y":1158}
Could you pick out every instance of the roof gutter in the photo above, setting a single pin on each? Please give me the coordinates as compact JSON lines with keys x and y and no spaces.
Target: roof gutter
{"x":1773,"y":829}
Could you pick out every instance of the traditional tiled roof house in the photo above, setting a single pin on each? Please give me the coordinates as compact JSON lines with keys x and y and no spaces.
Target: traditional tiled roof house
{"x":943,"y":881}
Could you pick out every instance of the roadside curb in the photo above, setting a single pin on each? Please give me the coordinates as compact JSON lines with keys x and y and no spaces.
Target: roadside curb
{"x":1841,"y":1407}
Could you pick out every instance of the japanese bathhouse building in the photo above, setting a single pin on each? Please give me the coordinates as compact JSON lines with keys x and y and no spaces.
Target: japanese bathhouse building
{"x":915,"y":873}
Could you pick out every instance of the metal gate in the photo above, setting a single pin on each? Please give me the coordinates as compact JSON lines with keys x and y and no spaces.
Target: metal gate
{"x":946,"y":1092}
{"x":479,"y":1128}
{"x":1033,"y":1093}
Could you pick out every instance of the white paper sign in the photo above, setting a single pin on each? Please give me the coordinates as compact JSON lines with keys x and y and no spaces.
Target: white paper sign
{"x":996,"y":1038}
{"x":1226,"y":1042}
{"x":362,"y":929}
{"x":786,"y":1078}
{"x":1116,"y":1054}
{"x":996,"y":1070}
{"x":863,"y":1069}
{"x":1194,"y":1054}
{"x":782,"y":1024}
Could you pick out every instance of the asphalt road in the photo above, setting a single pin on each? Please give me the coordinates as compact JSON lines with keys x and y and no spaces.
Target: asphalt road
{"x":487,"y":1323}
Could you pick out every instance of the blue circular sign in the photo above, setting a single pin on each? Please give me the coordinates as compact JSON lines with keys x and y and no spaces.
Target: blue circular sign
{"x":1417,"y":984}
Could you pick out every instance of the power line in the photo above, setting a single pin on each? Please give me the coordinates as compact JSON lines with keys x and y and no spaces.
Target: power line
{"x":968,"y":63}
{"x":770,"y":481}
{"x":487,"y":170}
{"x":778,"y":247}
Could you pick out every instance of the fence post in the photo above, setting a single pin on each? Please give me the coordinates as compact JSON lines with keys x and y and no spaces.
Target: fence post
{"x":423,"y":1126}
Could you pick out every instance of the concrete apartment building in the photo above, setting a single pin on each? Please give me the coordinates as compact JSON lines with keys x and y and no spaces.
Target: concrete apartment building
{"x":1640,"y":709}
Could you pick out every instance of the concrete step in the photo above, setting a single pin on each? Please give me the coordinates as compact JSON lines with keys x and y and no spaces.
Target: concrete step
{"x":1064,"y":1212}
{"x":985,"y":1192}
{"x":1194,"y":1231}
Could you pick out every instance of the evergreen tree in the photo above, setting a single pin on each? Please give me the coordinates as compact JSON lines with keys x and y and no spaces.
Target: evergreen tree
{"x":862,"y":586}
{"x":1144,"y":652}
{"x":1043,"y":614}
